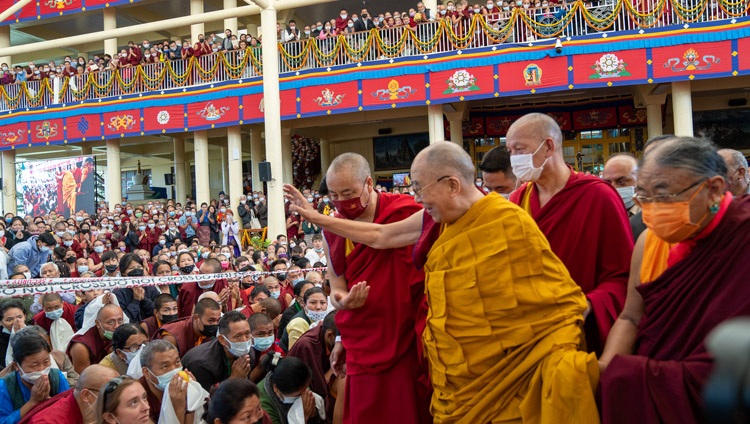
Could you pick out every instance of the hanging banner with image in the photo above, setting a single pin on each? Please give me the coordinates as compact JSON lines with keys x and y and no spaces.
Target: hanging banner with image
{"x":66,"y":186}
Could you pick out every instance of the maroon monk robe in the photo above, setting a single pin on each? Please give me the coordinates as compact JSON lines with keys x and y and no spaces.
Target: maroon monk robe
{"x":663,"y":380}
{"x":379,"y":337}
{"x":69,"y":312}
{"x":151,"y":326}
{"x":182,"y":331}
{"x":588,"y":229}
{"x":154,"y":402}
{"x":51,"y":410}
{"x":189,"y":293}
{"x":98,"y":346}
{"x":311,"y":349}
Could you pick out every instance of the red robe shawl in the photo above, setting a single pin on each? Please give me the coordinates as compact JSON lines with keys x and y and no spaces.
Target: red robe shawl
{"x":588,"y":229}
{"x":98,"y":347}
{"x":182,"y":331}
{"x":69,"y":313}
{"x":189,"y":293}
{"x":663,"y":380}
{"x":53,"y":409}
{"x":381,"y":331}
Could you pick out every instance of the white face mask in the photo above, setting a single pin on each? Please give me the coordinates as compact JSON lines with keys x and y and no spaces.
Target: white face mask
{"x":33,"y":377}
{"x":626,"y":193}
{"x":523,"y":166}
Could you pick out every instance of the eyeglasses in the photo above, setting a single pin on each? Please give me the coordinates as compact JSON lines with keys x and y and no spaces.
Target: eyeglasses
{"x":418,"y":190}
{"x":664,"y":198}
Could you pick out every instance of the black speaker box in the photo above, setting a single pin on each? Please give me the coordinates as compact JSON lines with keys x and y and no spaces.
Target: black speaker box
{"x":264,"y":171}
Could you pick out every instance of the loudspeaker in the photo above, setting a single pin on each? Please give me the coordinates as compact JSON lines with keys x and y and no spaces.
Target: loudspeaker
{"x":264,"y":171}
{"x":168,"y":179}
{"x":384,"y":131}
{"x":737,"y":102}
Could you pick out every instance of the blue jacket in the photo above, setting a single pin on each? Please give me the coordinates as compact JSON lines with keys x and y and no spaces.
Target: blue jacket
{"x":27,"y":253}
{"x":9,"y":415}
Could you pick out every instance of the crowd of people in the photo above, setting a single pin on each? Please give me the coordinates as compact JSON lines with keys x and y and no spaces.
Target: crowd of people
{"x":516,"y":296}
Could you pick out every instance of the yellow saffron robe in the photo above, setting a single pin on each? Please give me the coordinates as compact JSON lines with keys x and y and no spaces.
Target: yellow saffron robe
{"x":69,"y":190}
{"x":504,"y":324}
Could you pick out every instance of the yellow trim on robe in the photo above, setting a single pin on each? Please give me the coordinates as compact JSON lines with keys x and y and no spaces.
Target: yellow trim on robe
{"x":655,"y":255}
{"x":504,"y":324}
{"x":348,"y":247}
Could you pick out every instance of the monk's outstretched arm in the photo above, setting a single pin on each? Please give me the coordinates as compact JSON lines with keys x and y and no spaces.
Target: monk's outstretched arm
{"x":388,"y":236}
{"x":621,"y":340}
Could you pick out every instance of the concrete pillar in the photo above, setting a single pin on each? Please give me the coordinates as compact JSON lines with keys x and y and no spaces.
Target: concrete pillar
{"x":180,"y":174}
{"x":272,"y":103}
{"x":286,"y":155}
{"x":9,"y":182}
{"x":110,"y":23}
{"x":224,"y":170}
{"x":325,"y":156}
{"x":234,"y":152}
{"x":431,"y":5}
{"x":230,"y":23}
{"x":85,"y":150}
{"x":653,"y":113}
{"x":682,"y":108}
{"x":457,"y":132}
{"x":252,"y":29}
{"x":196,"y":7}
{"x":256,"y":156}
{"x":202,"y":186}
{"x":114,"y":176}
{"x":5,"y":42}
{"x":435,"y":123}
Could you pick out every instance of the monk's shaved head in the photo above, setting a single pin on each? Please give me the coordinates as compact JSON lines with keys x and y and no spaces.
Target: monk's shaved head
{"x":94,"y":377}
{"x":351,"y":164}
{"x":272,"y":307}
{"x":537,"y":126}
{"x":256,"y":320}
{"x":448,"y":159}
{"x":108,"y":310}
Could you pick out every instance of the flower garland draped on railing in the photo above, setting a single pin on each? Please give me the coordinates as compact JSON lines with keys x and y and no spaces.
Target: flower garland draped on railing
{"x":518,"y":26}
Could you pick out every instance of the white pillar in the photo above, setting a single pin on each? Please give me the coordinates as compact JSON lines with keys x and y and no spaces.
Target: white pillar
{"x":286,"y":155}
{"x":114,"y":176}
{"x":682,"y":108}
{"x":256,"y":156}
{"x":457,"y":132}
{"x":202,"y":185}
{"x":325,"y":155}
{"x":654,"y":120}
{"x":234,"y":152}
{"x":435,"y":123}
{"x":196,"y":7}
{"x":5,"y":42}
{"x":9,"y":181}
{"x":230,"y":23}
{"x":180,"y":176}
{"x":272,"y":103}
{"x":110,"y":23}
{"x":431,"y":5}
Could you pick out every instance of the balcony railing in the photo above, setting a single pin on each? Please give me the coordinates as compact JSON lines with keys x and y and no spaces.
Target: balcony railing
{"x":515,"y":26}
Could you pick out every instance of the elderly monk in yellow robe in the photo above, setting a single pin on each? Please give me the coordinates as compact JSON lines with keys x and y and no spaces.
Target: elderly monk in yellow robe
{"x":69,"y":191}
{"x":504,"y":323}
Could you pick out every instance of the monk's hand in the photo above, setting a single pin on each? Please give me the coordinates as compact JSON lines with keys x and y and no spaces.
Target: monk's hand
{"x":40,"y":390}
{"x":108,"y":299}
{"x":224,"y":295}
{"x":241,"y":367}
{"x":308,"y":404}
{"x":338,"y":360}
{"x":18,"y":324}
{"x":178,"y":388}
{"x":355,"y":298}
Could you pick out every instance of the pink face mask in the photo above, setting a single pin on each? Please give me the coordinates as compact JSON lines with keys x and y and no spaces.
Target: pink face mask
{"x":352,"y":208}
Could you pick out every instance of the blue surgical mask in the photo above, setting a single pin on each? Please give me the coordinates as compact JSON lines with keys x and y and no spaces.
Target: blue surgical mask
{"x":275,"y":294}
{"x":263,"y":343}
{"x":54,"y":315}
{"x":164,"y":379}
{"x":129,"y":356}
{"x":239,"y":348}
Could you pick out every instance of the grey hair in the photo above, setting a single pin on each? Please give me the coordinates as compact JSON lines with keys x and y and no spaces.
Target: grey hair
{"x":354,"y":162}
{"x":698,"y":156}
{"x":154,"y":346}
{"x":52,"y":264}
{"x":30,"y":329}
{"x":737,"y":157}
